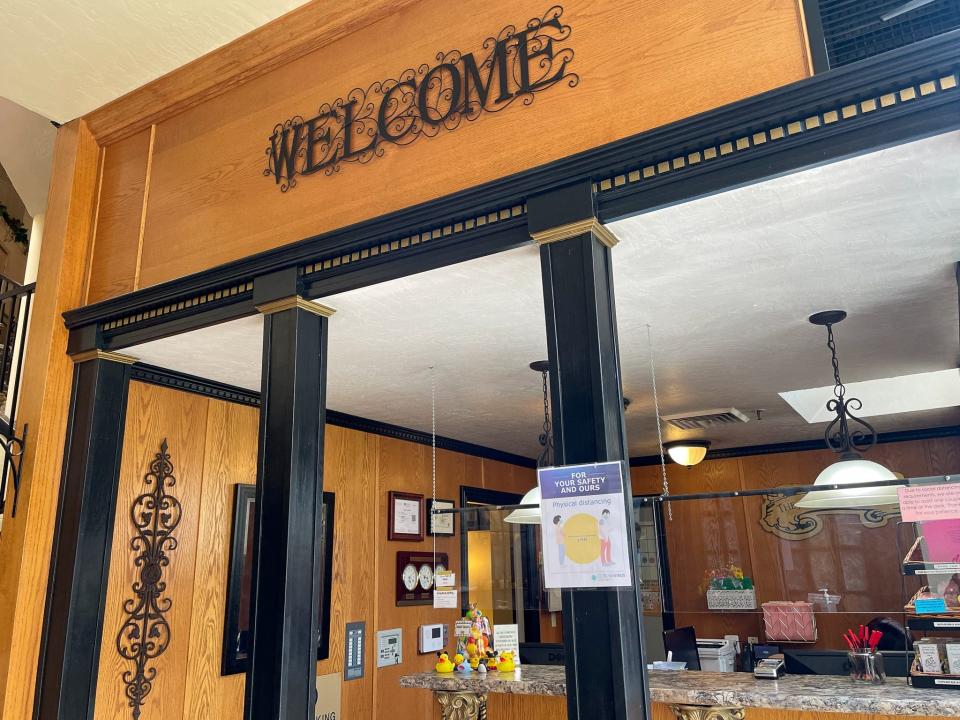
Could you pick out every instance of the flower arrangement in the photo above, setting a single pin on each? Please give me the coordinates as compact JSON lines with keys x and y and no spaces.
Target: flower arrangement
{"x":728,"y":578}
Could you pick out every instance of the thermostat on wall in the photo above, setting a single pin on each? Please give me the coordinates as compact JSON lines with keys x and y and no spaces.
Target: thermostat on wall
{"x":431,"y":638}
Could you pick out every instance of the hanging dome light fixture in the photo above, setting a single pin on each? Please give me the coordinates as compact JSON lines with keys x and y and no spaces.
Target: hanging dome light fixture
{"x":851,"y":471}
{"x":531,"y":516}
{"x":687,"y":452}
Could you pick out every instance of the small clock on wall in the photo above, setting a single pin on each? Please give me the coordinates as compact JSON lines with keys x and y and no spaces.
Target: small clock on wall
{"x":415,"y":576}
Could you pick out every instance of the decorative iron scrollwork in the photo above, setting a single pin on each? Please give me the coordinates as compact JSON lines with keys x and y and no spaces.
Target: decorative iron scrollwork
{"x":145,"y":633}
{"x":780,"y":516}
{"x":423,"y":101}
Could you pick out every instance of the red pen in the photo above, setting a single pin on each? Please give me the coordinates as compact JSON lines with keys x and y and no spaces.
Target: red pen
{"x":849,"y":644}
{"x":875,"y":639}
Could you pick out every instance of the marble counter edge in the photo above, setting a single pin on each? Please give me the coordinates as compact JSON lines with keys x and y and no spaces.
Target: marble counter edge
{"x":790,"y":693}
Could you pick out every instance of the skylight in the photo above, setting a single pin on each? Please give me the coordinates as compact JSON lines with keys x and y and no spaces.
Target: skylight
{"x":885,"y":396}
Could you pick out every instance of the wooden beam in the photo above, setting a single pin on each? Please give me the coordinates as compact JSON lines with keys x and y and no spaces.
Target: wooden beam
{"x":279,"y":42}
{"x":47,"y":378}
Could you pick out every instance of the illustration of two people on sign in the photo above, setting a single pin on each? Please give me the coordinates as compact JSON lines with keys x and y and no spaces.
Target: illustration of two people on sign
{"x":604,"y":532}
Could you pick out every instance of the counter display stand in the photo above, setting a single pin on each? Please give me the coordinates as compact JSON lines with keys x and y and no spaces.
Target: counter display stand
{"x":929,"y":624}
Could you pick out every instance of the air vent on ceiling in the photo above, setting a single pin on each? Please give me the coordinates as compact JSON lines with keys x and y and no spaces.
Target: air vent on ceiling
{"x":856,"y":30}
{"x":706,"y":419}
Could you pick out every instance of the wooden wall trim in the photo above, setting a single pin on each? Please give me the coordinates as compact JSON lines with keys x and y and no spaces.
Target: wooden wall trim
{"x":47,"y":382}
{"x":231,"y":393}
{"x":277,"y":43}
{"x":800,"y":445}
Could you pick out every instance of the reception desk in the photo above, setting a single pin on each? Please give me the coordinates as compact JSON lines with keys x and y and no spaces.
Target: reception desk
{"x":537,"y":692}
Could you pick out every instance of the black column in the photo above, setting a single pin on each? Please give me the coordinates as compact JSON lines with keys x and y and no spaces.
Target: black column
{"x":281,"y":678}
{"x":601,"y":628}
{"x":80,"y":562}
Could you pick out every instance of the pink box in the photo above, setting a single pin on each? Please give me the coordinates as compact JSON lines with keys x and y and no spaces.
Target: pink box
{"x":785,"y":621}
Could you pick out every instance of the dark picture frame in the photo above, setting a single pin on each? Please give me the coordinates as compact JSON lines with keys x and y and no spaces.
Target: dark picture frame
{"x":236,"y":629}
{"x":393,"y":496}
{"x":447,"y":504}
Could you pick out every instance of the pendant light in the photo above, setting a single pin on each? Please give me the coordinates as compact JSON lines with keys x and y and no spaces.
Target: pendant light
{"x":531,"y":516}
{"x":851,"y":470}
{"x":687,"y":452}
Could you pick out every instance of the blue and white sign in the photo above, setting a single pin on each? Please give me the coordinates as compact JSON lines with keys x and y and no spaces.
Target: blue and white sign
{"x":583,"y":526}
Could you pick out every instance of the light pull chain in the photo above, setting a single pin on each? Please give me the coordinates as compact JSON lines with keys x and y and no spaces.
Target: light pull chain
{"x":433,"y":456}
{"x":656,"y":407}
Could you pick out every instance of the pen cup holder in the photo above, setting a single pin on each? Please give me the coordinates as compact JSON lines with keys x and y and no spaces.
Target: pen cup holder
{"x":866,"y":667}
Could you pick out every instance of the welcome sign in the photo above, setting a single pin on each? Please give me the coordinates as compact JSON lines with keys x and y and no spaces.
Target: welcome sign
{"x":512,"y":67}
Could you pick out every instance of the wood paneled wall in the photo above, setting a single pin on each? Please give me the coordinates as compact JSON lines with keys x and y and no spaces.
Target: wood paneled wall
{"x":213,"y":446}
{"x":860,"y":563}
{"x":641,"y":63}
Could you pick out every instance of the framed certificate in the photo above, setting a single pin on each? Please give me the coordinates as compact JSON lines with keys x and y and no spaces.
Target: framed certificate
{"x":441,"y":524}
{"x":405,"y":516}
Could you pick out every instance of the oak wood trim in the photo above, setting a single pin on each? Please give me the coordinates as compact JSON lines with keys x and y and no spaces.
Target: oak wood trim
{"x":143,"y":206}
{"x":47,"y":383}
{"x":281,"y":41}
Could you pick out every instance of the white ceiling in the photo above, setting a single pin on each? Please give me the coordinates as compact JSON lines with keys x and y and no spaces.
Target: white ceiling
{"x":64,"y":58}
{"x":26,"y":153}
{"x":725,"y":282}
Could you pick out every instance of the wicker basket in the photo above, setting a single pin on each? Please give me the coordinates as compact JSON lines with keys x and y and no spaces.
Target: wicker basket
{"x":731,"y":599}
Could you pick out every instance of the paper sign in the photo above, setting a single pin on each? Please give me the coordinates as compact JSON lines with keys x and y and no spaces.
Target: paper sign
{"x":930,"y":502}
{"x":446,"y":598}
{"x":461,"y":628}
{"x":507,"y":638}
{"x":930,"y":605}
{"x":445,"y":579}
{"x":328,"y":697}
{"x":584,"y":528}
{"x":942,"y":541}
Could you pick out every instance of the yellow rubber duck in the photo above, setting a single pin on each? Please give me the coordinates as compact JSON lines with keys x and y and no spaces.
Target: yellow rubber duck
{"x":443,"y":664}
{"x":474,"y":662}
{"x":491,"y":661}
{"x":505,"y":663}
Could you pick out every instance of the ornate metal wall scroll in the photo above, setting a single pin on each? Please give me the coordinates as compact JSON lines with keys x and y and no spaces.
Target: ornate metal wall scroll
{"x":145,"y":633}
{"x":424,"y":100}
{"x":779,"y":516}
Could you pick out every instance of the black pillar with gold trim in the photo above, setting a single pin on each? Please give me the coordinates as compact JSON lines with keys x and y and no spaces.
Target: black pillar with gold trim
{"x":601,"y":628}
{"x":281,"y":678}
{"x":80,"y":560}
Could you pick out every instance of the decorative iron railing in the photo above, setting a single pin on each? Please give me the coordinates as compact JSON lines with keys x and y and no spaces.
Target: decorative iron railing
{"x":15,"y":302}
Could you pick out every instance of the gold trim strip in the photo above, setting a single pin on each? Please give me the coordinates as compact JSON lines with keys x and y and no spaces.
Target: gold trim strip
{"x":102,"y":355}
{"x":579,"y":227}
{"x":295,"y":301}
{"x":423,"y":236}
{"x":734,"y":143}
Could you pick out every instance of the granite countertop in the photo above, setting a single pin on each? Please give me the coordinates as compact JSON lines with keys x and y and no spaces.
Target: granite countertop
{"x":798,"y":692}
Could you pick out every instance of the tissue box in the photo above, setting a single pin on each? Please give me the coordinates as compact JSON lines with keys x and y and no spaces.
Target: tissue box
{"x":785,"y":621}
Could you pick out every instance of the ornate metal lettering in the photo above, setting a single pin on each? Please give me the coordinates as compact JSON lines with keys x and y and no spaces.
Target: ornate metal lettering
{"x":145,"y":633}
{"x":779,"y":515}
{"x":423,"y":101}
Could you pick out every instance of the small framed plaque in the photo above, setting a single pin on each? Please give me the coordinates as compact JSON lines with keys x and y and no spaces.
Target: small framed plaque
{"x":405,"y":516}
{"x":442,"y":523}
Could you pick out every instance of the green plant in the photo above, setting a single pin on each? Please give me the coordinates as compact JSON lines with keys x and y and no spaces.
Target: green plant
{"x":20,"y":236}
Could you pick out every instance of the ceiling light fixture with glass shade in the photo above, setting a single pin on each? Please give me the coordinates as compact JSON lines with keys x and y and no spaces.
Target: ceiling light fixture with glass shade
{"x":849,"y":437}
{"x":531,"y":516}
{"x":687,"y":452}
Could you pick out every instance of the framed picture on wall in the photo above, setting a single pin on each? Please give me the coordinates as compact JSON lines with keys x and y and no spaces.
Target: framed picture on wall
{"x":236,"y":626}
{"x":442,"y":524}
{"x":405,"y":516}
